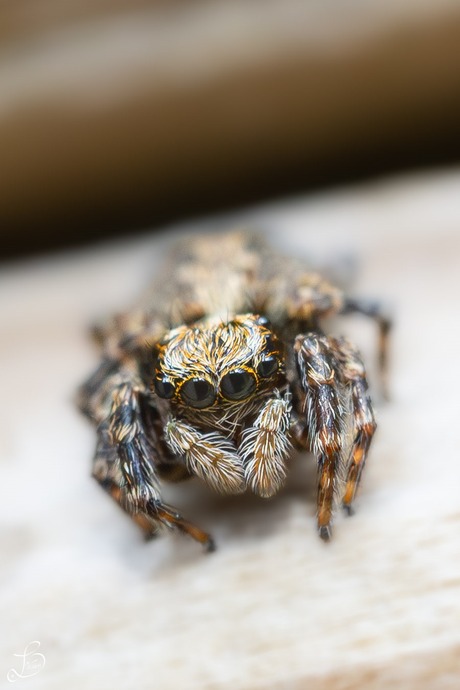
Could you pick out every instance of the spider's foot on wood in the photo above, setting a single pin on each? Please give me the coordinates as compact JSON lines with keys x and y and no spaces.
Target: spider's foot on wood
{"x":348,"y":509}
{"x":150,"y":536}
{"x":173,"y":519}
{"x":325,"y":532}
{"x":210,"y":545}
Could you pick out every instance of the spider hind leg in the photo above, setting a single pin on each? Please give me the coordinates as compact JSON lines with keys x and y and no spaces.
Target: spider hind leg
{"x":375,"y":311}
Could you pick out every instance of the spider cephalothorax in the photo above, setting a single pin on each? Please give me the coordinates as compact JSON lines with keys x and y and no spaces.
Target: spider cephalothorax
{"x":217,"y":375}
{"x":214,"y":363}
{"x":242,"y":376}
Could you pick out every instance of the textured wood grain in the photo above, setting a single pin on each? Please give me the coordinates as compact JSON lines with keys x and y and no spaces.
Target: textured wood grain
{"x":273,"y":607}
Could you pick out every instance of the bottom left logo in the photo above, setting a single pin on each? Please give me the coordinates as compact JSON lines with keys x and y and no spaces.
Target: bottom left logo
{"x":33,"y":662}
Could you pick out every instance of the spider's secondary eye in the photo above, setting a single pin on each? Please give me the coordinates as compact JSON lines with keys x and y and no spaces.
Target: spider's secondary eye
{"x":198,"y":393}
{"x":270,"y":342}
{"x":237,"y":384}
{"x":263,"y":321}
{"x":164,"y":388}
{"x":267,"y":367}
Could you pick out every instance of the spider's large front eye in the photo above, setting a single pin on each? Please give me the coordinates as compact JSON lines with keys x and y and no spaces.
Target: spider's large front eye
{"x":164,"y":388}
{"x":238,"y":384}
{"x":198,"y":393}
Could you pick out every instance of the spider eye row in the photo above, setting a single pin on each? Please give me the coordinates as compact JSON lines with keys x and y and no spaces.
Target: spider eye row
{"x":235,"y":385}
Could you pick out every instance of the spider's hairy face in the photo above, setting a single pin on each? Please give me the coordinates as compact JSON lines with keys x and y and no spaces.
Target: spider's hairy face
{"x":213,"y":364}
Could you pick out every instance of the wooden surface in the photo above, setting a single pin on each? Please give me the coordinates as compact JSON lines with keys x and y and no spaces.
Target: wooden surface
{"x":273,"y":607}
{"x":152,"y":108}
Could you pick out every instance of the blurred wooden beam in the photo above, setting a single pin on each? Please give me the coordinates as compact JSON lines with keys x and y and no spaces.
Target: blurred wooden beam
{"x":148,"y":114}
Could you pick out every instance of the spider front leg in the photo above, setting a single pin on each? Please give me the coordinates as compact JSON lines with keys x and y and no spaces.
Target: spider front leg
{"x":265,"y":446}
{"x":329,"y":369}
{"x":325,"y":414}
{"x":125,"y":462}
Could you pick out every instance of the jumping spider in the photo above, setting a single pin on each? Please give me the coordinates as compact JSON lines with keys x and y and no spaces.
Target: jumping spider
{"x":220,"y":372}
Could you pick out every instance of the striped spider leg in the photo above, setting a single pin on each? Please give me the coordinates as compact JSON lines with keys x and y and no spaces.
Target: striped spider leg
{"x":334,"y":382}
{"x":129,"y":457}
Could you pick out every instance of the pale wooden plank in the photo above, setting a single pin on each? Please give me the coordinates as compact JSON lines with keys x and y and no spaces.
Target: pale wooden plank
{"x":273,"y":607}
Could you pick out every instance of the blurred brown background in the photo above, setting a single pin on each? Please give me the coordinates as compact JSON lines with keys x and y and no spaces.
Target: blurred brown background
{"x":117,"y":115}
